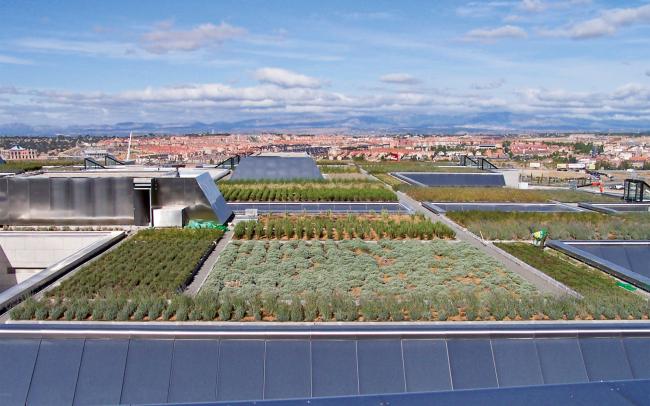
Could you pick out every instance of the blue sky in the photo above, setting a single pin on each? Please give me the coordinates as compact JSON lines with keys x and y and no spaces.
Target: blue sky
{"x":101,"y":62}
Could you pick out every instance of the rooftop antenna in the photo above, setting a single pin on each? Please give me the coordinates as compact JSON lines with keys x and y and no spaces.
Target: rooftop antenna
{"x":128,"y":150}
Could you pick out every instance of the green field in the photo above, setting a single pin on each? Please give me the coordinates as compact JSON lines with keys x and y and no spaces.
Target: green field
{"x":562,"y":226}
{"x":505,"y":195}
{"x":336,"y":190}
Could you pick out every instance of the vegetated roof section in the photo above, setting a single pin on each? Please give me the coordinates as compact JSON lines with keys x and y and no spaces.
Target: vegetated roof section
{"x":320,"y":207}
{"x":502,"y":195}
{"x":443,"y":207}
{"x":453,"y":179}
{"x":348,"y":190}
{"x":627,"y":260}
{"x":38,"y":258}
{"x":277,"y":168}
{"x":115,"y":371}
{"x":561,"y":226}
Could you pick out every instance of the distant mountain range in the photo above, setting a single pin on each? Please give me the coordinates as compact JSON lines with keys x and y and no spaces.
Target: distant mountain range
{"x":497,"y":122}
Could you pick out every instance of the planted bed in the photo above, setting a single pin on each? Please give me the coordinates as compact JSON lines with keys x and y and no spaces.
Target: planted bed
{"x":154,"y":262}
{"x":338,"y":190}
{"x":359,"y":280}
{"x":501,"y":195}
{"x":338,"y":227}
{"x":563,"y":226}
{"x":604,"y":297}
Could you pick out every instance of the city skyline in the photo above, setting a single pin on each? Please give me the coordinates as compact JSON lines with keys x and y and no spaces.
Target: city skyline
{"x":495,"y":64}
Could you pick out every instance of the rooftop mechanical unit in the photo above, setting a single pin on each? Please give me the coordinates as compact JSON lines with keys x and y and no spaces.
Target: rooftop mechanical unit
{"x":108,"y":200}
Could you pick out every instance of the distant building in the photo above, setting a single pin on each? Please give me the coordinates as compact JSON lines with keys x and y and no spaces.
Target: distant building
{"x":18,"y":153}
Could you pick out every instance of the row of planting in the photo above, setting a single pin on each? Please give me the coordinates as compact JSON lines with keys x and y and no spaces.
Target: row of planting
{"x":562,"y":226}
{"x":335,"y":306}
{"x":152,"y":262}
{"x":413,"y":166}
{"x":506,"y":195}
{"x":362,"y":268}
{"x":342,"y":227}
{"x":318,"y":191}
{"x":338,"y":169}
{"x":333,"y":162}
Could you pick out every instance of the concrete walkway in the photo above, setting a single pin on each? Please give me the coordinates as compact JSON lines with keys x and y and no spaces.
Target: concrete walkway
{"x":540,"y":280}
{"x":207,"y":266}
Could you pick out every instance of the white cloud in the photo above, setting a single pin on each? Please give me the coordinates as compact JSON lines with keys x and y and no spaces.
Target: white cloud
{"x":489,"y":85}
{"x":373,"y":15}
{"x":83,"y":47}
{"x":205,"y":101}
{"x":608,"y":23}
{"x":286,"y":78}
{"x":482,"y":8}
{"x":492,"y":34}
{"x":165,"y":39}
{"x":532,"y":6}
{"x":12,"y":60}
{"x":399,"y":78}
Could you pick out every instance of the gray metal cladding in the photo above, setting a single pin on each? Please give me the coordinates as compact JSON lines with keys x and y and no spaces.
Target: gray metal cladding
{"x":561,"y":361}
{"x":338,"y":207}
{"x":101,"y":372}
{"x":54,"y":378}
{"x":17,"y":360}
{"x":334,"y":368}
{"x":627,"y":260}
{"x":517,"y":362}
{"x":634,"y":257}
{"x":194,"y":371}
{"x":122,"y":371}
{"x":381,"y":368}
{"x":288,"y":369}
{"x":426,"y":365}
{"x":442,"y":179}
{"x":241,"y":370}
{"x":148,"y":367}
{"x":34,"y":201}
{"x":472,"y":364}
{"x":276,"y":168}
{"x":443,"y":207}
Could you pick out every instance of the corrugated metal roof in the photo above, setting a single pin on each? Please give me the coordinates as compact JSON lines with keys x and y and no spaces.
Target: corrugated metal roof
{"x":442,"y":179}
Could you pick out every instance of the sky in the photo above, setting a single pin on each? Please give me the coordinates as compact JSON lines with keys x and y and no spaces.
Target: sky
{"x":103,"y":62}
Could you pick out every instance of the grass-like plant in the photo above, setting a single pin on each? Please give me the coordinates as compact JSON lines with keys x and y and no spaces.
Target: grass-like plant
{"x":565,"y":226}
{"x":151,"y":263}
{"x":342,"y":227}
{"x":414,"y":166}
{"x":336,"y":190}
{"x":508,"y":195}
